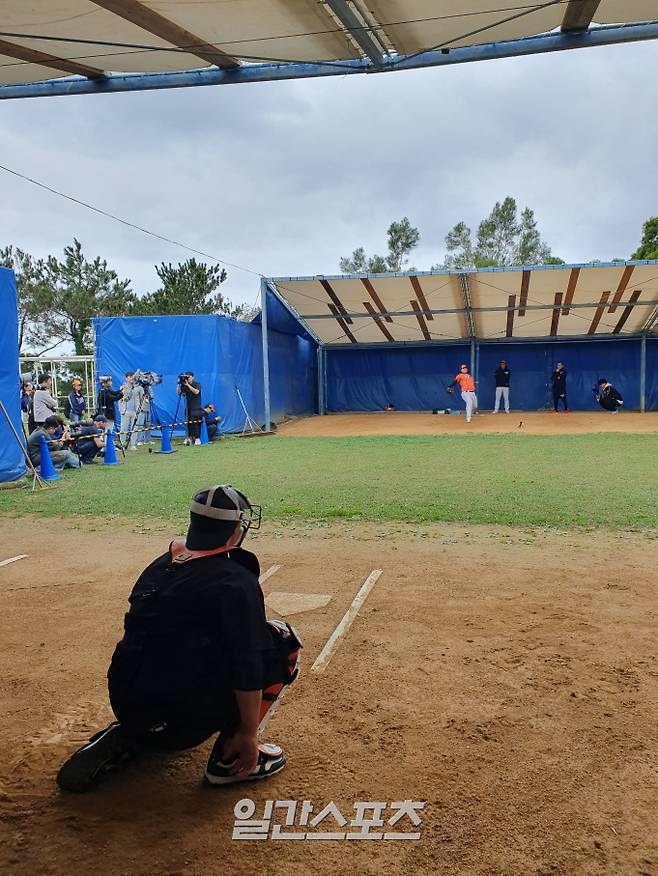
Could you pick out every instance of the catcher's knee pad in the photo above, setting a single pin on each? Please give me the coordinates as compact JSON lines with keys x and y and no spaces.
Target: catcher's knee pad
{"x":288,"y":646}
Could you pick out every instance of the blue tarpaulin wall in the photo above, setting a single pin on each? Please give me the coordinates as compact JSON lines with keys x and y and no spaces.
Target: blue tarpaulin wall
{"x":414,"y":378}
{"x":223,"y":353}
{"x":12,"y":463}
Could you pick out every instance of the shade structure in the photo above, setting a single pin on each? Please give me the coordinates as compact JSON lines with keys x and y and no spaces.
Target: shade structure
{"x":98,"y":42}
{"x":567,"y":301}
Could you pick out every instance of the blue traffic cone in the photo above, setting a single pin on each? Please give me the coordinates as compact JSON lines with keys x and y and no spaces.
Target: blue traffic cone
{"x":46,"y":468}
{"x":203,"y":433}
{"x":165,"y":442}
{"x":110,"y":457}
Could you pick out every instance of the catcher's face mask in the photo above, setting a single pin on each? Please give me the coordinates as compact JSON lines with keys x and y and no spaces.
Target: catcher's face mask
{"x":245,"y":514}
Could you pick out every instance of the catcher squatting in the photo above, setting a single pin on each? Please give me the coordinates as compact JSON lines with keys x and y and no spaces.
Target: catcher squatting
{"x":197,"y":657}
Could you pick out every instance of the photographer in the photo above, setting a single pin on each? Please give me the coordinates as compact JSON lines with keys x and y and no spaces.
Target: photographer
{"x":130,"y":404}
{"x":191,"y":390}
{"x":607,"y":396}
{"x":61,"y":456}
{"x":106,"y":399}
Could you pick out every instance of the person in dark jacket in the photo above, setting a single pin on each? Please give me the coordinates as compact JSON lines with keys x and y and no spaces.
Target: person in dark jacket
{"x":559,"y":384}
{"x":197,"y":656}
{"x":608,"y":397}
{"x":106,"y":401}
{"x":75,"y":405}
{"x":211,"y":417}
{"x":502,"y":375}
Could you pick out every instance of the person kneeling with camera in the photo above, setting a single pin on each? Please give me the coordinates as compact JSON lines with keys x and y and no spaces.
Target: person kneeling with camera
{"x":607,"y":396}
{"x":197,"y":656}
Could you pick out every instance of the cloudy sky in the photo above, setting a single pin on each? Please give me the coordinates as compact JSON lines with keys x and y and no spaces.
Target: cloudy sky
{"x":284,"y":178}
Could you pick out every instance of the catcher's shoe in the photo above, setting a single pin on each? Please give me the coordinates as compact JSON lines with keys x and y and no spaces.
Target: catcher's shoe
{"x":105,"y":750}
{"x":271,"y":760}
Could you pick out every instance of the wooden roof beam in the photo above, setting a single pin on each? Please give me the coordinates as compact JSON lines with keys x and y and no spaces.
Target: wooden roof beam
{"x":579,"y":15}
{"x":62,"y":65}
{"x":156,"y":24}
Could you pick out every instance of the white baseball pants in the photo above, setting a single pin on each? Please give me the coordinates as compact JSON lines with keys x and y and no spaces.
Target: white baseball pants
{"x":502,"y":392}
{"x":471,"y":402}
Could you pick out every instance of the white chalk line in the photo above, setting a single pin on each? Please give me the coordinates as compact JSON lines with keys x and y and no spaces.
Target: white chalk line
{"x":323,"y":658}
{"x":268,"y":574}
{"x":13,"y":559}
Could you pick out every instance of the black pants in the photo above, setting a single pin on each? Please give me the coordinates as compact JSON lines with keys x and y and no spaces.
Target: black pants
{"x":176,"y":721}
{"x":193,"y":426}
{"x":556,"y":398}
{"x":608,"y":404}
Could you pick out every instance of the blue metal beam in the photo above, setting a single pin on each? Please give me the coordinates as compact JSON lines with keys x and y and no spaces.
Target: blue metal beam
{"x":553,"y":42}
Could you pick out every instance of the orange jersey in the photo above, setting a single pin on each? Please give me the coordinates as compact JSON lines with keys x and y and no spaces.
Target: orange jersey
{"x":465,"y":382}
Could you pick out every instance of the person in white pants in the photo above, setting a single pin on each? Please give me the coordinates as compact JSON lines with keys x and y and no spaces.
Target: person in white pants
{"x":467,"y":385}
{"x":502,"y":375}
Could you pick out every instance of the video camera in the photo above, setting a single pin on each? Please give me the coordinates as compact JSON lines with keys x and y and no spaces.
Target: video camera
{"x":182,"y":378}
{"x":147,"y":378}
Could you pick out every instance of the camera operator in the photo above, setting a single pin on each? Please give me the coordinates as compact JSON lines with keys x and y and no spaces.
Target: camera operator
{"x":106,"y":399}
{"x":191,"y":390}
{"x":607,"y":396}
{"x":129,"y":406}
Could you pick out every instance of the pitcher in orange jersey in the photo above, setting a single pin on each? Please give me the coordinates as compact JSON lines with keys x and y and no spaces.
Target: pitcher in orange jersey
{"x":467,"y":386}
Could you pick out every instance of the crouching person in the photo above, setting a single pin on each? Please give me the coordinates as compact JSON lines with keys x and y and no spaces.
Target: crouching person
{"x":198,"y":657}
{"x":60,"y":455}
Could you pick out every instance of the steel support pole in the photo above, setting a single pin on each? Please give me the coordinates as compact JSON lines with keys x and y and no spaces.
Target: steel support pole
{"x":266,"y":355}
{"x":321,"y":399}
{"x":643,"y":373}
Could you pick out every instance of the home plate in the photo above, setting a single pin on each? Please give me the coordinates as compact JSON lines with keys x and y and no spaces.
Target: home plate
{"x":295,"y":603}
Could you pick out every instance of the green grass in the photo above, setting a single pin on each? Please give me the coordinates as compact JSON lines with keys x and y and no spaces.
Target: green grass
{"x":582,"y":480}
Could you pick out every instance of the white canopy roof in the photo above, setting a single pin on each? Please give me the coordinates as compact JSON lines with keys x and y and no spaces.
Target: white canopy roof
{"x":46,"y":39}
{"x":492,"y":303}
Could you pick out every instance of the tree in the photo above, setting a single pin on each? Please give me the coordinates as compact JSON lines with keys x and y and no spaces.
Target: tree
{"x":187,"y":288}
{"x":31,"y":296}
{"x":648,"y":248}
{"x":358,"y":263}
{"x":503,"y":238}
{"x":402,"y":237}
{"x":77,"y":290}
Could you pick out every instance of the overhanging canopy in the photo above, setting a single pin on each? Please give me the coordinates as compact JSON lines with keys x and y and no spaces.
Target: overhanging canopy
{"x":175,"y":43}
{"x":565,"y":301}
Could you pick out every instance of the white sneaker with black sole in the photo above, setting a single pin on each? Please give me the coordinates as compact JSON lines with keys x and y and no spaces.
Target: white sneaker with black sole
{"x":271,"y":760}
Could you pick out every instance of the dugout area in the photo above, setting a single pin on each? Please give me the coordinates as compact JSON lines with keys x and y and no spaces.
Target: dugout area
{"x":399,"y":339}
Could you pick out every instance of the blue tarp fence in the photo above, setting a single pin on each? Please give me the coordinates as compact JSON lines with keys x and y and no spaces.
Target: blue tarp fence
{"x":222,"y":352}
{"x":12,"y":462}
{"x":414,"y":378}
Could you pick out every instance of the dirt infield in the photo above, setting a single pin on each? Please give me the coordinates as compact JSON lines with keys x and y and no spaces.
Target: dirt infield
{"x":507,"y":678}
{"x":403,"y":423}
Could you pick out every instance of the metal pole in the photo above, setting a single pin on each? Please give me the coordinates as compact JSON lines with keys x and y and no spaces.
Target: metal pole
{"x":643,"y":373}
{"x":324,"y":378}
{"x":473,"y":357}
{"x":321,"y":399}
{"x":266,"y":355}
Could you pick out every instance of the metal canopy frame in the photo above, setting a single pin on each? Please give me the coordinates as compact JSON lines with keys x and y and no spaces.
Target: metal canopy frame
{"x":95,"y":83}
{"x":471,"y":341}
